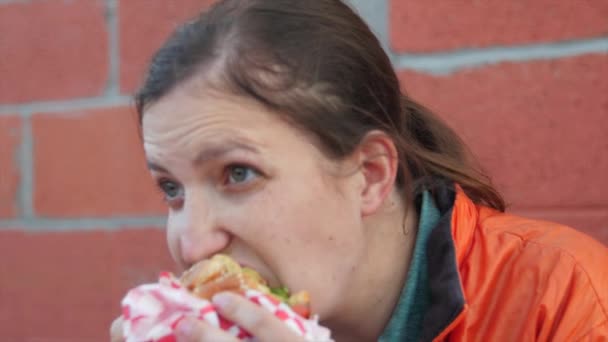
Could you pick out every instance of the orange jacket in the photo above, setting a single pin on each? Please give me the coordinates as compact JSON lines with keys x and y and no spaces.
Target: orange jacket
{"x":499,"y":277}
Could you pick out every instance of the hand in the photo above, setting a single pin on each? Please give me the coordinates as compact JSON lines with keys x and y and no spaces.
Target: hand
{"x":116,"y":331}
{"x":258,"y":321}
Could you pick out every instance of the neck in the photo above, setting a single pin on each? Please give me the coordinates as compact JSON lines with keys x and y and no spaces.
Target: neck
{"x":378,"y":282}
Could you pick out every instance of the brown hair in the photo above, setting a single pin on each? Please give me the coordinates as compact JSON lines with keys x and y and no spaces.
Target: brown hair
{"x":318,"y":65}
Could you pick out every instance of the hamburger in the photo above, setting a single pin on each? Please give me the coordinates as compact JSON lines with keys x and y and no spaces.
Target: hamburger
{"x":152,"y":311}
{"x":222,"y":273}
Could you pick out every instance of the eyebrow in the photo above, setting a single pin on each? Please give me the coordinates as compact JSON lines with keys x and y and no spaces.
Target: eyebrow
{"x":155,"y":167}
{"x":218,"y":151}
{"x":213,"y":152}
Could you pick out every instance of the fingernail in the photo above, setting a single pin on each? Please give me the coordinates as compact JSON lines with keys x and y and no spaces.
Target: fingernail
{"x":184,"y":327}
{"x":222,"y":300}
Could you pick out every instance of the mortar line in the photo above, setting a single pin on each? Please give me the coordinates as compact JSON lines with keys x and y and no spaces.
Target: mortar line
{"x":442,"y":63}
{"x":16,"y":154}
{"x":375,"y":14}
{"x":66,"y":105}
{"x":26,"y":168}
{"x":113,"y":86}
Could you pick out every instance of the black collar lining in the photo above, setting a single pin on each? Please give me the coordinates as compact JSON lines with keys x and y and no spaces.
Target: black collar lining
{"x":447,"y":297}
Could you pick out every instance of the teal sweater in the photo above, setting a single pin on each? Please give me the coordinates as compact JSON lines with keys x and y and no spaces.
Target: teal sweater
{"x":405,"y":323}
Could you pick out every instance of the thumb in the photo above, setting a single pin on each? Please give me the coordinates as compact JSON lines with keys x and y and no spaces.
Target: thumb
{"x":116,"y":330}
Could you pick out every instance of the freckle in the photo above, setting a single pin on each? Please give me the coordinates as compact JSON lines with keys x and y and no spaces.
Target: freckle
{"x":331,"y":238}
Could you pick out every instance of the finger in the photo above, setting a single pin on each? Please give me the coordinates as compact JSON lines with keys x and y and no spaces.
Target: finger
{"x":194,"y":330}
{"x":116,"y":330}
{"x":258,"y":321}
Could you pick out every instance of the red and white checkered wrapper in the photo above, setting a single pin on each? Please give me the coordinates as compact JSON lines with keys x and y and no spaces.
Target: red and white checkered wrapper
{"x":152,"y":311}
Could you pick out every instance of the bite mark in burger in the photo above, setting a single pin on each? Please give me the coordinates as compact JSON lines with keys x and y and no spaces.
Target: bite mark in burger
{"x":222,"y":273}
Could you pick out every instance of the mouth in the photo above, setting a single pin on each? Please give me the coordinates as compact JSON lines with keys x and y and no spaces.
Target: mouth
{"x":225,"y":273}
{"x":260,"y":268}
{"x":262,"y":271}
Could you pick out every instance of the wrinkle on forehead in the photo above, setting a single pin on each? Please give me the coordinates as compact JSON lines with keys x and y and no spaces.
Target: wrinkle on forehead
{"x":185,"y":107}
{"x":184,"y":124}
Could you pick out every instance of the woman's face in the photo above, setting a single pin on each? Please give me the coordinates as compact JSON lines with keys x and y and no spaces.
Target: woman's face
{"x":238,"y":180}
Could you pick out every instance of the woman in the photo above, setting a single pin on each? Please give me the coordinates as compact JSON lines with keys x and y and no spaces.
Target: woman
{"x":277,"y":131}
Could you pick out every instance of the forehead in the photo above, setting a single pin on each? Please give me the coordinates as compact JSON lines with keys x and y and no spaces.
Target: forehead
{"x":189,"y":108}
{"x":183,"y":126}
{"x":185,"y":107}
{"x":186,"y":120}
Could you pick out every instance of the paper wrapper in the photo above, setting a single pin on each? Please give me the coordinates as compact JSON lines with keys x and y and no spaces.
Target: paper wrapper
{"x":152,"y":311}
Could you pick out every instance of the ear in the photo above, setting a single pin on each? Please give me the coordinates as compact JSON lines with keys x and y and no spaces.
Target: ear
{"x":378,"y":160}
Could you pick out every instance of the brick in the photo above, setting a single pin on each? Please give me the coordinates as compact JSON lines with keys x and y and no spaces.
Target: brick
{"x":10,"y":139}
{"x":68,"y":286}
{"x":91,"y":163}
{"x":144,"y":26}
{"x":424,"y":26}
{"x":593,"y":222}
{"x":539,"y":128}
{"x":52,"y":49}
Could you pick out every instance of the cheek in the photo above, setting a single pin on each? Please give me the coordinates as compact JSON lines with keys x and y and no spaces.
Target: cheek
{"x":319,"y":252}
{"x":322,"y":214}
{"x":173,"y":240}
{"x":311,"y":229}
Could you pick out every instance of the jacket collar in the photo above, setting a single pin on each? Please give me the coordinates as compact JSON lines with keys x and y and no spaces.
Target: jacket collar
{"x":446,"y":249}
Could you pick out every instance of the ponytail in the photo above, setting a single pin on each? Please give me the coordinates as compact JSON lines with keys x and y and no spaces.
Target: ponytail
{"x":434,"y":154}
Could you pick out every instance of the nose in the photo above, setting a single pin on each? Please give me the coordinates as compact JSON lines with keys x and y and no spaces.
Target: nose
{"x":199,"y":231}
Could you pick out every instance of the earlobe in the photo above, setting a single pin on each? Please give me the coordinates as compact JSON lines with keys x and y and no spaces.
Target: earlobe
{"x":379,"y":164}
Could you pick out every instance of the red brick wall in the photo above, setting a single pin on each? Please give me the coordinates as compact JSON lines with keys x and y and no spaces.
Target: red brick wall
{"x":524,"y":82}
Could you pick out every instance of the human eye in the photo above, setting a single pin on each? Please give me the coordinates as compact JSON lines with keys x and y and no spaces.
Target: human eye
{"x":172,"y":191}
{"x":240,"y":174}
